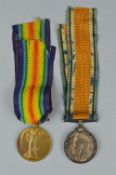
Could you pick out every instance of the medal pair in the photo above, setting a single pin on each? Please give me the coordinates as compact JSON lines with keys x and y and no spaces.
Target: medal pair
{"x":34,"y":57}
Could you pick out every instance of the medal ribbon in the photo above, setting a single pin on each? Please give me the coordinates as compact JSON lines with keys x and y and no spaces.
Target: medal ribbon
{"x":34,"y":58}
{"x":79,"y":64}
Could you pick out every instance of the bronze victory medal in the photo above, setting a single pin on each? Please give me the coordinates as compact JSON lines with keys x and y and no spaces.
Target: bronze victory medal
{"x":80,"y":145}
{"x":34,"y":143}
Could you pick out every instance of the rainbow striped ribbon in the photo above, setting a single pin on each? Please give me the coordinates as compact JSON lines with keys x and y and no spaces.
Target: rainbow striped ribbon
{"x":79,"y":64}
{"x":34,"y":58}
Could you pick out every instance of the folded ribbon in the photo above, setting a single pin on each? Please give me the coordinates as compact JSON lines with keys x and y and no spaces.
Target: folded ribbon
{"x":34,"y":58}
{"x":79,"y":63}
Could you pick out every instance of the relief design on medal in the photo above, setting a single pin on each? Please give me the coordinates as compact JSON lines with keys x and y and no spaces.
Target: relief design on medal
{"x":80,"y":147}
{"x":34,"y":144}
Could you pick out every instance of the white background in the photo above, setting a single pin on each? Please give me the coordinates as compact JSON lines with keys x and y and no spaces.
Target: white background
{"x":104,"y":163}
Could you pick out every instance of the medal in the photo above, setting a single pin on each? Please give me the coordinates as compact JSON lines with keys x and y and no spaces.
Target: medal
{"x":79,"y":66}
{"x":34,"y":57}
{"x":80,"y":145}
{"x":34,"y":143}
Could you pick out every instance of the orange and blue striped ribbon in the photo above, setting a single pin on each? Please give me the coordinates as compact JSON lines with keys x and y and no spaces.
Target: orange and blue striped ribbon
{"x":34,"y":57}
{"x":79,"y":64}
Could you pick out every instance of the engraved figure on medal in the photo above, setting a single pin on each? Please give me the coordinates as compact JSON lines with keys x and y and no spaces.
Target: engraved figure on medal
{"x":32,"y":139}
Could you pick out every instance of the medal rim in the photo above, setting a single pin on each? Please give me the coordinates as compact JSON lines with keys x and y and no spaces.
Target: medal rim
{"x":18,"y":138}
{"x":87,"y":133}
